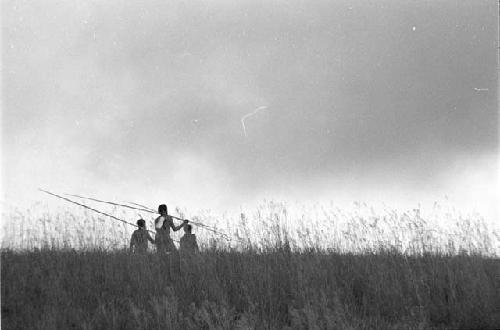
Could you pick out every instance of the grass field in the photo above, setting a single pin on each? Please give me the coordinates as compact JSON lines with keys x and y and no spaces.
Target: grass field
{"x":399,"y":279}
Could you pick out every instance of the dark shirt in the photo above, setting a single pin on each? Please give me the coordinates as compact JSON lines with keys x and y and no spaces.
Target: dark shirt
{"x":139,"y":241}
{"x":188,"y":243}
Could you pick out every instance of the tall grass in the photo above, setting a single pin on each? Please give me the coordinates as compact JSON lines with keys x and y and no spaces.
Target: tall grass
{"x":358,"y":229}
{"x":333,"y":269}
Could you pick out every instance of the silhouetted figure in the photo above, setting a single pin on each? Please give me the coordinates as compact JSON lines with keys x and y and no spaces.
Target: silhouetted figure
{"x":140,"y":238}
{"x":163,"y":223}
{"x":188,"y":241}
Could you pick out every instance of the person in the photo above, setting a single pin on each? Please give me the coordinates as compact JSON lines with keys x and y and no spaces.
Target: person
{"x":163,"y":224}
{"x":188,"y":242}
{"x":140,"y":238}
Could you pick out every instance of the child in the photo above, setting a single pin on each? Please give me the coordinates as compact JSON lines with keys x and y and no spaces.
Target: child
{"x":140,"y":238}
{"x":188,"y":241}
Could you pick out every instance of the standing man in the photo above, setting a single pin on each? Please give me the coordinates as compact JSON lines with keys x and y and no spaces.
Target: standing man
{"x":163,"y":223}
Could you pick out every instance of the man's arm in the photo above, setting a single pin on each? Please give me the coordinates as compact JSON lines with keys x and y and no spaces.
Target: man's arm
{"x":174,"y":227}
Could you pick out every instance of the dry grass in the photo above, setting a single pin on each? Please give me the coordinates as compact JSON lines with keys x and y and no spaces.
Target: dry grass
{"x":373,"y":271}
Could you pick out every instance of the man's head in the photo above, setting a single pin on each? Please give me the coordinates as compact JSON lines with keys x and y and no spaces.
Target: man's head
{"x":141,"y":223}
{"x":162,"y":209}
{"x":188,"y":228}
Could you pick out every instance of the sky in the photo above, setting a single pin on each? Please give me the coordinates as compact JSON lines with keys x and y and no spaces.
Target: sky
{"x":220,"y":104}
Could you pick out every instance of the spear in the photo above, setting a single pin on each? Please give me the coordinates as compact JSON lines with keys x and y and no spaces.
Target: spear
{"x":90,"y":208}
{"x":149,"y":210}
{"x":115,"y":204}
{"x":199,"y":224}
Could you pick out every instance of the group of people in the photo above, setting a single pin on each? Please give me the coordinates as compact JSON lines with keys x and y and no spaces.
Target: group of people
{"x":162,"y":240}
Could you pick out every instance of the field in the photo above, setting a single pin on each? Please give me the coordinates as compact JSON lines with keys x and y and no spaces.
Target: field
{"x":275,"y":275}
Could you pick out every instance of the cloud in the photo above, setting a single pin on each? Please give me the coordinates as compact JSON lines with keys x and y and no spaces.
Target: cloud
{"x":131,"y":94}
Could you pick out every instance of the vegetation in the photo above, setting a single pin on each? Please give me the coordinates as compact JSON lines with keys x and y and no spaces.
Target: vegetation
{"x":54,"y":289}
{"x":270,"y":284}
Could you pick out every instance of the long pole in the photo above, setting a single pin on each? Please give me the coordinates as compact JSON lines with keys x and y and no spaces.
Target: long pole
{"x":149,"y":210}
{"x":143,"y":208}
{"x":115,"y":204}
{"x":90,"y":208}
{"x":199,"y":224}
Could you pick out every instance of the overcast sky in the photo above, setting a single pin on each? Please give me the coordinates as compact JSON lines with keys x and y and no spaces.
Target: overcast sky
{"x":393,"y":101}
